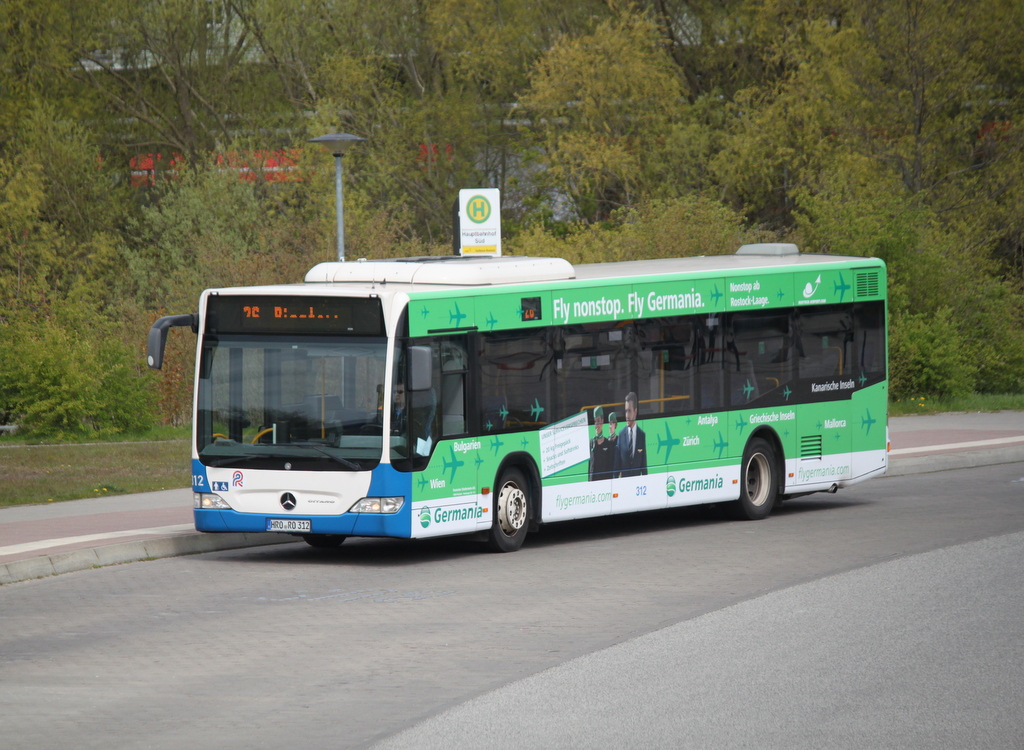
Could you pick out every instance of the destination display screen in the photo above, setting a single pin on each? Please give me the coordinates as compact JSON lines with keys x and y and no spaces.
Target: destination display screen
{"x":530,"y":309}
{"x":258,"y":313}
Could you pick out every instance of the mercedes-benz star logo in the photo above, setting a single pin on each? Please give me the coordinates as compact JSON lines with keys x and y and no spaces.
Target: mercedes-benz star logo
{"x":288,"y":501}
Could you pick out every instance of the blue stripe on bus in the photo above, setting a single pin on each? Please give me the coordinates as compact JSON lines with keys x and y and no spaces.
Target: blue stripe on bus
{"x":384,"y":482}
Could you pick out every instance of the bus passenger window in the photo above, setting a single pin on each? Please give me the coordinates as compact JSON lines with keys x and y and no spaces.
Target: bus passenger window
{"x":869,"y":343}
{"x":588,"y":368}
{"x":515,"y":383}
{"x":824,"y":340}
{"x":669,"y":385}
{"x":454,"y":365}
{"x":760,"y":355}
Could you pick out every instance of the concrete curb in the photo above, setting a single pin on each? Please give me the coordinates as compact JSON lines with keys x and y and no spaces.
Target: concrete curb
{"x":142,"y":549}
{"x":899,"y":467}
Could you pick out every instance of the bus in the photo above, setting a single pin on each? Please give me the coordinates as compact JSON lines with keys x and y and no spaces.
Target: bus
{"x":488,"y":396}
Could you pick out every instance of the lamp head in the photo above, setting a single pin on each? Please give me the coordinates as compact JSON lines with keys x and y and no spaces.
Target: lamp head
{"x":337,"y":143}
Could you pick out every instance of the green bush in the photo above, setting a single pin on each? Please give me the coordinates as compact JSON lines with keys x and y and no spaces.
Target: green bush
{"x":57,"y":382}
{"x":927,"y":355}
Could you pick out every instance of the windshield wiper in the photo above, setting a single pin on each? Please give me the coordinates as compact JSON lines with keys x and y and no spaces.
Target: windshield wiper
{"x":227,"y":460}
{"x":343,"y":461}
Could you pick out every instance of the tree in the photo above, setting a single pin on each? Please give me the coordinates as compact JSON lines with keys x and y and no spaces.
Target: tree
{"x":601,"y":106}
{"x":683,"y":227}
{"x":183,"y":76}
{"x":38,"y":42}
{"x":27,"y":245}
{"x":61,"y":212}
{"x":909,"y":84}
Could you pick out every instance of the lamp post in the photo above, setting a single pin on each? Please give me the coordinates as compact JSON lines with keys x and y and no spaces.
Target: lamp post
{"x":337,"y":144}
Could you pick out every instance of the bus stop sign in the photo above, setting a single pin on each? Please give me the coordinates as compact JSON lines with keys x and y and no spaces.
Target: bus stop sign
{"x":479,"y":222}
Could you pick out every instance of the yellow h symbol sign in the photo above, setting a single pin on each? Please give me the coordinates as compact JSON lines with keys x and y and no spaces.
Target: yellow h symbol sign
{"x":479,"y":209}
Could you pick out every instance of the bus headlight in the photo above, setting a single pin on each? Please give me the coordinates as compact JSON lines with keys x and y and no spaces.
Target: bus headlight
{"x":378,"y":505}
{"x":207,"y":501}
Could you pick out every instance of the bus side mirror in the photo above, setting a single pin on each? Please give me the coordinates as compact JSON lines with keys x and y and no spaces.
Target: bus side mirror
{"x":158,"y":336}
{"x":420,"y":368}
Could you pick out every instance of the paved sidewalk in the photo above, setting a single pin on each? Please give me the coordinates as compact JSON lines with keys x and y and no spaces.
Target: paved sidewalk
{"x":41,"y":540}
{"x":960,"y":440}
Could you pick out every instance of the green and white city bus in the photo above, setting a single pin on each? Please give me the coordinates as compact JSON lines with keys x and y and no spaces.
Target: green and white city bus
{"x":465,"y":395}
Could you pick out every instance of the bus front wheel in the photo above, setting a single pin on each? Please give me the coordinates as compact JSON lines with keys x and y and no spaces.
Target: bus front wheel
{"x":511,"y":514}
{"x":758,"y":482}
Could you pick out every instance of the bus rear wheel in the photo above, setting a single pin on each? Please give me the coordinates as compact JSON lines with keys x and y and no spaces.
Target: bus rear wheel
{"x":511,"y":514}
{"x":324,"y":541}
{"x":759,"y":483}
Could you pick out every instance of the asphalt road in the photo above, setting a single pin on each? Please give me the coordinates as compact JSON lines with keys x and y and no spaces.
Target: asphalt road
{"x":887,"y":615}
{"x":922,"y":652}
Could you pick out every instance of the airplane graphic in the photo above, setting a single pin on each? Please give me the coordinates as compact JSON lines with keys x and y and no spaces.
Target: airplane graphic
{"x":455,"y":464}
{"x":536,"y":409}
{"x":748,"y":389}
{"x":842,"y":287}
{"x":867,"y":421}
{"x":503,"y":412}
{"x":862,"y":379}
{"x":489,"y":426}
{"x":781,"y":294}
{"x":423,"y":312}
{"x":525,"y":443}
{"x":478,"y":460}
{"x":668,"y":443}
{"x":423,"y":481}
{"x":715,"y":295}
{"x":740,"y":423}
{"x":496,"y":444}
{"x":819,"y":424}
{"x":720,"y":444}
{"x":456,"y":316}
{"x":786,"y":393}
{"x":491,"y":321}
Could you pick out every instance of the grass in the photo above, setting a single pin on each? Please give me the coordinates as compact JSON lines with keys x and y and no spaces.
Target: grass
{"x":69,"y":471}
{"x":39,"y":472}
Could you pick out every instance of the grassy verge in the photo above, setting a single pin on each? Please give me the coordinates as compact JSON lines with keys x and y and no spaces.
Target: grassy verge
{"x":938,"y":405}
{"x":50,"y":473}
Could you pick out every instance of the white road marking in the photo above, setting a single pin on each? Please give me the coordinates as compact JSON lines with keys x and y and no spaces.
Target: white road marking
{"x":956,"y":446}
{"x":17,"y":549}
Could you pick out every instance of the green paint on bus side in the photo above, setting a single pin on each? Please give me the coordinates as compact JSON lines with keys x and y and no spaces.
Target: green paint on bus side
{"x":711,"y":440}
{"x":590,"y":301}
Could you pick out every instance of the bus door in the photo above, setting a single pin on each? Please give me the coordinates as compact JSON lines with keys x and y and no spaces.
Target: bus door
{"x":825,"y":357}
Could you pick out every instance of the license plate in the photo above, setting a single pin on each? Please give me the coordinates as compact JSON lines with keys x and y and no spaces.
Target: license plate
{"x":288,"y":524}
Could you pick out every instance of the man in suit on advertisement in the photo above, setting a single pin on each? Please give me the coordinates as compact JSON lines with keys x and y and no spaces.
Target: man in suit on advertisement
{"x":631,"y":444}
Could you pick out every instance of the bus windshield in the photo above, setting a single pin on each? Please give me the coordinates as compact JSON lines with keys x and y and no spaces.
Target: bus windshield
{"x":284,"y":402}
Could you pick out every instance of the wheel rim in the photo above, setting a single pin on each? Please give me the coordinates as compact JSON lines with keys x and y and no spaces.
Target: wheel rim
{"x":757,"y":479}
{"x":511,"y":508}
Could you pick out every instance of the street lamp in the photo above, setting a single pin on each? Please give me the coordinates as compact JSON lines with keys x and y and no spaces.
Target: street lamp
{"x":337,"y":144}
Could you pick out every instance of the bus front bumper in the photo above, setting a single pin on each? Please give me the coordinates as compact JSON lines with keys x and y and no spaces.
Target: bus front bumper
{"x":346,"y":524}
